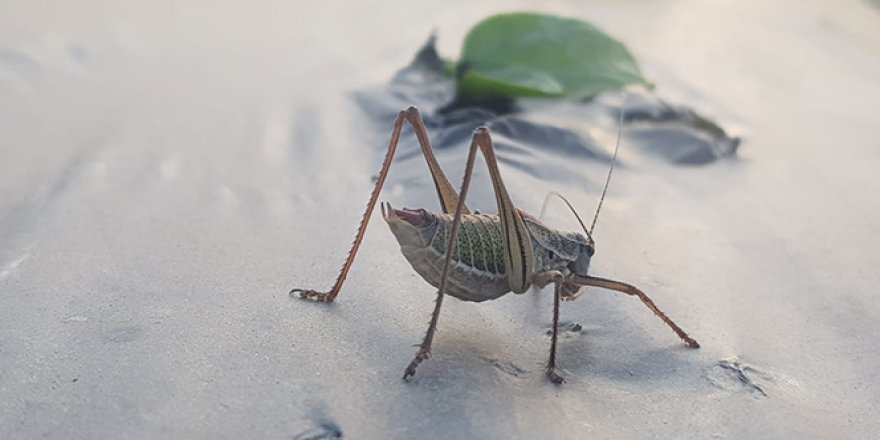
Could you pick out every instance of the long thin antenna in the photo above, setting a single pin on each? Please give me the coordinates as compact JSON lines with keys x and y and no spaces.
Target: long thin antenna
{"x":610,"y":169}
{"x":578,"y":217}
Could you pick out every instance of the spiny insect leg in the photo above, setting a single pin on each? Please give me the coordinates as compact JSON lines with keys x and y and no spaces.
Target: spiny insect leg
{"x":447,"y":194}
{"x":425,"y":347}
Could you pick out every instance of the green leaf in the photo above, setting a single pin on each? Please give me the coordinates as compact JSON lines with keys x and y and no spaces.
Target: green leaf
{"x":528,"y":54}
{"x":511,"y":81}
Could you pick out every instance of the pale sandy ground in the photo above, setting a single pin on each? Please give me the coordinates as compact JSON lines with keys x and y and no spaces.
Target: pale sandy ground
{"x":168,"y":172}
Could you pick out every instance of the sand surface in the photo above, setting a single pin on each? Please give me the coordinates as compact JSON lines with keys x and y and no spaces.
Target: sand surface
{"x":168,"y":171}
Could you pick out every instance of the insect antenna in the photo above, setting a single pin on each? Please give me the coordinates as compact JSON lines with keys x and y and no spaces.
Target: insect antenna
{"x":610,"y":169}
{"x":573,"y":211}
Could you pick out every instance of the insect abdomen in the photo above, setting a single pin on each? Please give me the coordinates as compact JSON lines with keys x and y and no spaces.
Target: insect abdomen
{"x":479,"y":243}
{"x":477,"y":270}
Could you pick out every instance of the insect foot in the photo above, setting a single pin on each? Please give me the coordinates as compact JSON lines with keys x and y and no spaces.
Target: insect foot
{"x":554,"y":376}
{"x":691,"y":342}
{"x":411,"y":368}
{"x":312,"y":295}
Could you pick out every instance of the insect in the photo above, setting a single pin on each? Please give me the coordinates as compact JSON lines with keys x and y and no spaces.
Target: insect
{"x":479,"y":257}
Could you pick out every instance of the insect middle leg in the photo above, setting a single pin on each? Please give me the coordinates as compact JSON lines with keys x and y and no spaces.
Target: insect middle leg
{"x":448,"y":197}
{"x":551,"y":364}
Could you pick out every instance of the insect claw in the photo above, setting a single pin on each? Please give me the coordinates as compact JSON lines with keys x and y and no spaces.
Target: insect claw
{"x":410,"y":370}
{"x":554,"y":376}
{"x":691,"y":342}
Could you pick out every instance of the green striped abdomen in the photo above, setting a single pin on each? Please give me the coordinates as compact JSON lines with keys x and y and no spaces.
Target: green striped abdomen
{"x":477,"y":270}
{"x":479,"y":243}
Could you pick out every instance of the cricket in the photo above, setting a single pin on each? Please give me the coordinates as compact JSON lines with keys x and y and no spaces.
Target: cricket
{"x":479,"y":257}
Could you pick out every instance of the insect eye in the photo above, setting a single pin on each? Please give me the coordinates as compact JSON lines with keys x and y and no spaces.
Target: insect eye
{"x":551,"y":255}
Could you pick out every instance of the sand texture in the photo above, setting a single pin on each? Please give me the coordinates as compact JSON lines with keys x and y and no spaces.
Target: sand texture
{"x":170,"y":170}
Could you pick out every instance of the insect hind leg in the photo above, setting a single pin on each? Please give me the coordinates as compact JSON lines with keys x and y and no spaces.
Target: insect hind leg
{"x":448,"y":197}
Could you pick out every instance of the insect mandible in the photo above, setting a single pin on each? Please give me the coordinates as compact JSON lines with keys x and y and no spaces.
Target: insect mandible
{"x":478,"y":257}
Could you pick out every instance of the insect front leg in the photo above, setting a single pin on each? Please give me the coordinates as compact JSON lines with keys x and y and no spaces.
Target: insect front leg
{"x":448,"y":196}
{"x":634,"y":291}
